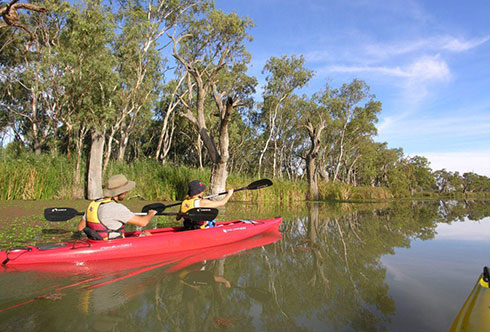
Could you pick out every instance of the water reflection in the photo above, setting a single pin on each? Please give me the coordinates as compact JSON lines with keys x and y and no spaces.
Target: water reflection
{"x":342,"y":267}
{"x":335,"y":253}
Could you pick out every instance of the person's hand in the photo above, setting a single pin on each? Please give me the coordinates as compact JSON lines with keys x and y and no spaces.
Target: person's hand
{"x":227,"y":284}
{"x":230,"y":192}
{"x":152,"y":212}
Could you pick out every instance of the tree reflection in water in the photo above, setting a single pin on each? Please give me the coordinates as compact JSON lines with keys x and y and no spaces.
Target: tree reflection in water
{"x":325,"y":274}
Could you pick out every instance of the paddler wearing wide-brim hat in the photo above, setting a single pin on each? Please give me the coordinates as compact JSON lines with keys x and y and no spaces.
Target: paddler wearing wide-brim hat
{"x":107,"y":217}
{"x":117,"y":185}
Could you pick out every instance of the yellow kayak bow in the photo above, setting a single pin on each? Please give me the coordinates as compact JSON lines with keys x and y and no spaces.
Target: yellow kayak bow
{"x":475,"y":313}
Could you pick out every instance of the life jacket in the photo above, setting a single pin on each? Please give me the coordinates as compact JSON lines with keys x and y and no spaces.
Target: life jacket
{"x":94,"y":223}
{"x":188,"y":224}
{"x":188,"y":204}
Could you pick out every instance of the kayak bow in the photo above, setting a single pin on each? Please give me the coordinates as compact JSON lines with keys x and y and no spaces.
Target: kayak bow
{"x":475,"y":313}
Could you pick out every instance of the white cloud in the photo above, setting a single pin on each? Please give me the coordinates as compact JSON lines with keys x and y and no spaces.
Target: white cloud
{"x":413,"y":80}
{"x":422,"y":69}
{"x":466,"y":132}
{"x":471,"y":124}
{"x":429,"y":68}
{"x":457,"y":45}
{"x":372,"y":53}
{"x":467,"y":161}
{"x":353,"y":69}
{"x":432,"y":44}
{"x":467,"y":230}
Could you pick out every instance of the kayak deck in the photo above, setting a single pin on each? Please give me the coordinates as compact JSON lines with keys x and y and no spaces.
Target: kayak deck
{"x":475,"y":313}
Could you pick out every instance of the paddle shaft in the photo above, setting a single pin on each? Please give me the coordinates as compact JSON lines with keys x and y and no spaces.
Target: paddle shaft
{"x":63,"y":214}
{"x":141,"y":214}
{"x":205,"y":197}
{"x":214,"y":195}
{"x":252,"y":186}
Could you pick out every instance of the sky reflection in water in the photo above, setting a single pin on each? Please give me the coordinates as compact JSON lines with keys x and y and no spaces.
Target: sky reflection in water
{"x":430,"y":281}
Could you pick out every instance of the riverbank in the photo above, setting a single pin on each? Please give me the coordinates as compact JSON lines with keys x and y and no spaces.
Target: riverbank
{"x":31,"y":177}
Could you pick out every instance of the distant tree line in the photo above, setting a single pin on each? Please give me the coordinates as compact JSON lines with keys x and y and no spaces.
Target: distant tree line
{"x":167,"y":80}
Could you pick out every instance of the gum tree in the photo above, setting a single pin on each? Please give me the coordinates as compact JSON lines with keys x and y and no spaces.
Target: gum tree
{"x":90,"y":79}
{"x":213,"y":42}
{"x":284,"y":75}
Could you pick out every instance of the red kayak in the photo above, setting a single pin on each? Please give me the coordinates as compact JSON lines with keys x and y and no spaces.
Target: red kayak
{"x":177,"y":260}
{"x":161,"y":241}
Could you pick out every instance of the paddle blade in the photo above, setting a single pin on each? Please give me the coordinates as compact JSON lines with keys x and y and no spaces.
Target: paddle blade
{"x":201,"y":214}
{"x":259,"y":184}
{"x":159,"y":207}
{"x":60,"y":214}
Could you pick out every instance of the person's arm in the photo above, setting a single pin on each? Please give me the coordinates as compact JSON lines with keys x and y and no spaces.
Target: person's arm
{"x":82,"y":224}
{"x":216,"y":204}
{"x":222,"y":280}
{"x":142,"y":220}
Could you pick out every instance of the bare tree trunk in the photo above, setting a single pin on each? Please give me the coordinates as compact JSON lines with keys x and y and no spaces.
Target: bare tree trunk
{"x":274,"y":162}
{"x":199,"y":152}
{"x":315,"y":134}
{"x":341,"y":155}
{"x":165,"y":136}
{"x":122,"y":147}
{"x":36,"y":144}
{"x":123,"y":143}
{"x":272,"y":128}
{"x":77,"y":190}
{"x":219,"y":174}
{"x":126,"y":130}
{"x":312,"y":178}
{"x":108,"y":150}
{"x":78,"y":150}
{"x":94,"y":180}
{"x":167,"y":143}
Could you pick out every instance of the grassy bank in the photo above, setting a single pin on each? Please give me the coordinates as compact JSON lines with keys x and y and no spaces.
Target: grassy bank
{"x":35,"y":177}
{"x":26,"y":176}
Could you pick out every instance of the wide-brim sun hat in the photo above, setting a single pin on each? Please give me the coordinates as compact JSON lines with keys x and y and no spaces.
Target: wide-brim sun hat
{"x":118,"y":184}
{"x":196,"y":187}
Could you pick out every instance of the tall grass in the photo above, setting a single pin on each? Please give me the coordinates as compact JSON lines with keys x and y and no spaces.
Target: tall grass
{"x":28,"y":176}
{"x":24,"y":176}
{"x":155,"y":181}
{"x":337,"y":191}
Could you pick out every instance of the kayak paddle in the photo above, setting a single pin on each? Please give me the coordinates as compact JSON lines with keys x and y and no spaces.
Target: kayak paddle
{"x":197,"y":214}
{"x":263,"y":183}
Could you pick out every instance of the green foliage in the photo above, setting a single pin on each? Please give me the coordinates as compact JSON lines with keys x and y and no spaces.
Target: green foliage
{"x":338,"y":191}
{"x":88,"y":59}
{"x":24,"y":175}
{"x":155,"y":181}
{"x":95,"y":66}
{"x":399,"y":183}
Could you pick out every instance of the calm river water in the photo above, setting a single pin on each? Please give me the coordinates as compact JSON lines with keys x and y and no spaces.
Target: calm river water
{"x":399,"y":266}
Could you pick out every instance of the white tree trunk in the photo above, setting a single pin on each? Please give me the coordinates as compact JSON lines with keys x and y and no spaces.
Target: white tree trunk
{"x":94,"y":180}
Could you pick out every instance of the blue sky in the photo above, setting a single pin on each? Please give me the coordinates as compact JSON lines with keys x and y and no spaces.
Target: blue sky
{"x":428,"y":62}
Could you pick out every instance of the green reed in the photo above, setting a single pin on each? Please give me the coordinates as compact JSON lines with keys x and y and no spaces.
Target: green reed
{"x":28,"y":176}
